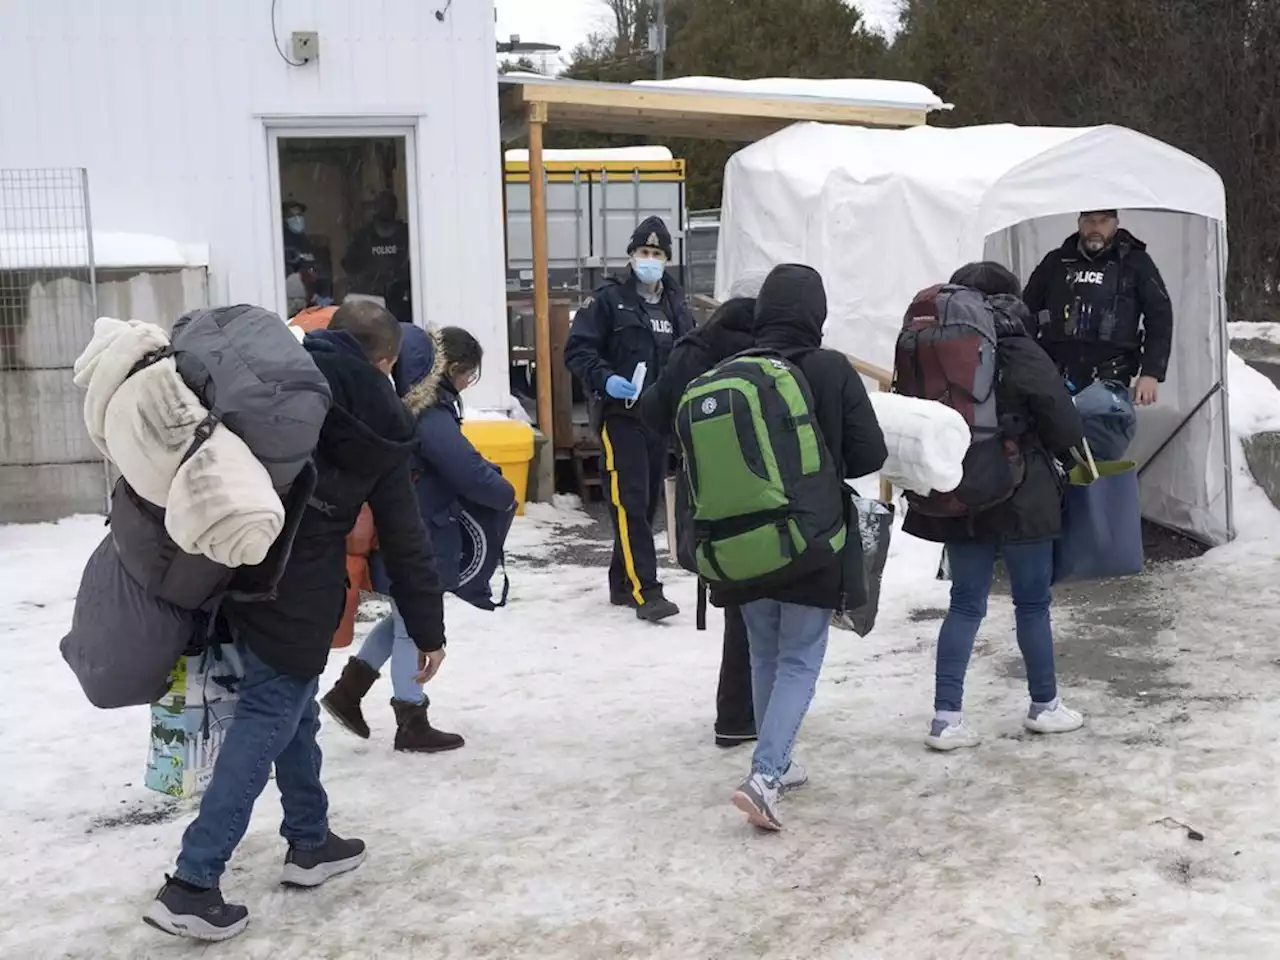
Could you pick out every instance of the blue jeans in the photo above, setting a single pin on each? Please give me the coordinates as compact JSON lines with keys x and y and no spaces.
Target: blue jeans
{"x":389,"y":640}
{"x":1109,"y":418}
{"x":1030,"y":567}
{"x":788,"y":642}
{"x":276,"y":720}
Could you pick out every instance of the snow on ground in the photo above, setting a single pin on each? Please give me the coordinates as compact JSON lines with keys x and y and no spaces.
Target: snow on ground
{"x":1246,"y":330}
{"x":588,"y":815}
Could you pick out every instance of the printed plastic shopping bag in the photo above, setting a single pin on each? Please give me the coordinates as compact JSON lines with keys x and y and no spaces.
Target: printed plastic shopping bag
{"x":1101,"y":522}
{"x":189,"y":723}
{"x":870,"y":523}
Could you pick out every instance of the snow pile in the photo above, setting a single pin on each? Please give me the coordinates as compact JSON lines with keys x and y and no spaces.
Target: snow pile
{"x":1254,"y":407}
{"x":885,"y":93}
{"x":68,"y":249}
{"x":512,"y":411}
{"x":603,"y":155}
{"x":1254,"y":400}
{"x":564,"y":511}
{"x":1244,"y":330}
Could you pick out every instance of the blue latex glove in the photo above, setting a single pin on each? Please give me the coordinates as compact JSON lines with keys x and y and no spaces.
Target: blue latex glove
{"x":620,"y":388}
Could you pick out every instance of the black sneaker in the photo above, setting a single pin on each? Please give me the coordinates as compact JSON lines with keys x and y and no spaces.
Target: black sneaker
{"x":735,"y":739}
{"x":657,"y":610}
{"x":310,"y":868}
{"x":181,"y":911}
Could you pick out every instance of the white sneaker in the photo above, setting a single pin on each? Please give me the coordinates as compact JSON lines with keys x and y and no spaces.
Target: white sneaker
{"x":758,"y":799}
{"x":1061,"y":719}
{"x":794,"y":778}
{"x":946,"y":737}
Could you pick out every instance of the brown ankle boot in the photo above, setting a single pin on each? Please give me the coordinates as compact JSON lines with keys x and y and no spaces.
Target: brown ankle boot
{"x":343,"y":701}
{"x":414,"y":734}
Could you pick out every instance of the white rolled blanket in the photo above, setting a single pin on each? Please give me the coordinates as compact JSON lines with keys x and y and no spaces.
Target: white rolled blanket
{"x":926,"y":440}
{"x":220,"y":503}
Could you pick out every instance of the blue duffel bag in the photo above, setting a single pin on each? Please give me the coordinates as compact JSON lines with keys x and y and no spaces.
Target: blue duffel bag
{"x":1101,"y":522}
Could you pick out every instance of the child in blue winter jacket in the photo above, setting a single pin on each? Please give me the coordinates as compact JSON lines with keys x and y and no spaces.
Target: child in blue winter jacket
{"x":433,"y":370}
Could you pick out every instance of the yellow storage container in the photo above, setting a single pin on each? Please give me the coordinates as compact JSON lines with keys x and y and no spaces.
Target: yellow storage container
{"x":509,"y":445}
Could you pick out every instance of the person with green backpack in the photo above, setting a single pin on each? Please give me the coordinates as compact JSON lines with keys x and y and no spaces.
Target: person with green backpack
{"x":767,"y":437}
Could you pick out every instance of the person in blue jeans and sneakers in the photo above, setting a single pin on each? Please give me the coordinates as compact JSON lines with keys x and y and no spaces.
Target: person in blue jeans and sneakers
{"x":431,"y":374}
{"x":362,"y":456}
{"x":788,"y":622}
{"x":1021,"y":530}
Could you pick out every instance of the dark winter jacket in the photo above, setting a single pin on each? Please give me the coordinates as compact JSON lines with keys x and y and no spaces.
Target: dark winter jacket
{"x":1031,"y":399}
{"x":1109,"y":316}
{"x":362,"y":456}
{"x":615,"y":331}
{"x":730,"y":331}
{"x":374,"y":262}
{"x":790,"y":313}
{"x":297,"y":249}
{"x":447,"y":469}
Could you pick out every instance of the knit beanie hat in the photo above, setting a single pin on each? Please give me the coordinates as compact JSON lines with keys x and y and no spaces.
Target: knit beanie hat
{"x":652,"y":232}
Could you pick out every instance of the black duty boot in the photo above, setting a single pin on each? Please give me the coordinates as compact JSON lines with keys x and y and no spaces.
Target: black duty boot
{"x":343,"y":701}
{"x":310,"y":868}
{"x":414,"y":733}
{"x":197,"y":914}
{"x":656,"y":607}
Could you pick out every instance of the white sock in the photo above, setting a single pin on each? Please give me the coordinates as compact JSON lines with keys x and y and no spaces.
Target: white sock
{"x":951,"y":718}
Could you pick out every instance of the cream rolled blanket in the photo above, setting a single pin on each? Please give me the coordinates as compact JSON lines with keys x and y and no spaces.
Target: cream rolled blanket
{"x":220,"y":502}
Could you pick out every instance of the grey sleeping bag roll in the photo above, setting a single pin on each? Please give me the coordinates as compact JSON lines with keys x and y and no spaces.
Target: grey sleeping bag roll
{"x":124,"y":643}
{"x":253,"y":375}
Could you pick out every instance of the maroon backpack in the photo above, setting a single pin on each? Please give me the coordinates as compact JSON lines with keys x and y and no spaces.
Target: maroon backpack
{"x":948,"y":352}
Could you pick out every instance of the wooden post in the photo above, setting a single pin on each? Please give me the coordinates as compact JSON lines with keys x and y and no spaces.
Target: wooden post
{"x":541,"y":282}
{"x":561,"y":378}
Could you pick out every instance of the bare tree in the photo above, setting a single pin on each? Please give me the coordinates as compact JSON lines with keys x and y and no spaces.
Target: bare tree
{"x":631,"y":20}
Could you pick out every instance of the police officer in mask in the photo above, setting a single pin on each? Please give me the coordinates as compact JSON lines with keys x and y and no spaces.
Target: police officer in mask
{"x":1106,"y":319}
{"x":628,"y":322}
{"x":297,"y":245}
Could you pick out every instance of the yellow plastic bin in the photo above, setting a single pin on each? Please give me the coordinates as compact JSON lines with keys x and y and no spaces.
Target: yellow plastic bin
{"x":508,"y":444}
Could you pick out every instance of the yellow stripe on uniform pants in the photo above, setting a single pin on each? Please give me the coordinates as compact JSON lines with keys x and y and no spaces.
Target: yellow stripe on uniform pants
{"x":624,"y":532}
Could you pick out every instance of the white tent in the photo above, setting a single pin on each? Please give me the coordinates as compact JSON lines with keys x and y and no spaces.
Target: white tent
{"x":881,"y":214}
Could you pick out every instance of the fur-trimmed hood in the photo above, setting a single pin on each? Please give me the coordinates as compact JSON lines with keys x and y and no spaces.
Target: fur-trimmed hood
{"x":420,"y":370}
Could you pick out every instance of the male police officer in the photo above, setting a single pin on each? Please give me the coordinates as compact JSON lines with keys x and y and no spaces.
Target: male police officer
{"x":1109,"y":320}
{"x":379,"y":252}
{"x":628,"y":322}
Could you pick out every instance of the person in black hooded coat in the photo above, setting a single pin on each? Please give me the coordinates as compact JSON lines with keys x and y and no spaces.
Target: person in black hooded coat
{"x":1031,"y":396}
{"x":729,"y":331}
{"x":788,"y":623}
{"x":362,"y":456}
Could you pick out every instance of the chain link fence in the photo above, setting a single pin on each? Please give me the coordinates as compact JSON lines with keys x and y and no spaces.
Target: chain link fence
{"x":48,"y":302}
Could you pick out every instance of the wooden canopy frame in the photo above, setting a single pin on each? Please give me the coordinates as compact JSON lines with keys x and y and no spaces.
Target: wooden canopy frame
{"x":529,"y":103}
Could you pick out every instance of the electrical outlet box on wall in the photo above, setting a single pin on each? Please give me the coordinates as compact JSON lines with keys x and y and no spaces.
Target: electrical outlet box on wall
{"x":306,"y":45}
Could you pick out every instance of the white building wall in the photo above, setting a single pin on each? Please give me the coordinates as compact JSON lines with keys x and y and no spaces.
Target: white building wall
{"x":168,"y":105}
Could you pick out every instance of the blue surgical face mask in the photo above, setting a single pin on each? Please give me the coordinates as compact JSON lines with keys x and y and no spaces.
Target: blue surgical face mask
{"x":296,"y":224}
{"x":648,"y":271}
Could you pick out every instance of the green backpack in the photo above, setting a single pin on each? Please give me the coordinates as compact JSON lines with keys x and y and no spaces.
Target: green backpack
{"x":763,"y":500}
